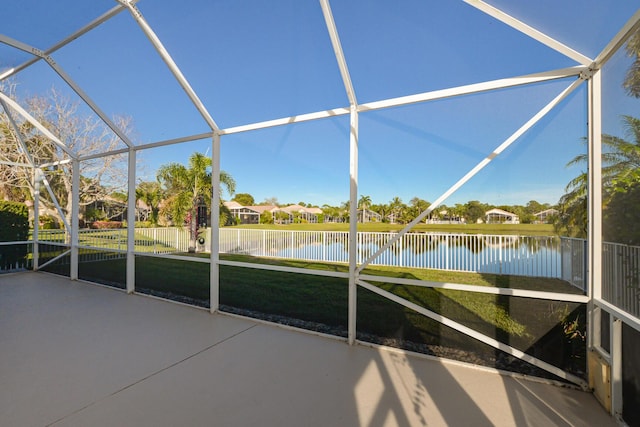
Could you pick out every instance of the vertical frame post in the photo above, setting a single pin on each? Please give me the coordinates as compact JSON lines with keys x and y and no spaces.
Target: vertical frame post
{"x":353,"y":224}
{"x":131,"y":223}
{"x":36,"y":216}
{"x":75,"y":213}
{"x":616,"y":367}
{"x":214,"y":276}
{"x":594,"y":237}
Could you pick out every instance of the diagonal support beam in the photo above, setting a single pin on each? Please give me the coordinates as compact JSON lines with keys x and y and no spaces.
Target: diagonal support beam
{"x":90,"y":26}
{"x":337,"y":49}
{"x":81,"y":93}
{"x":530,"y":31}
{"x":55,"y":201}
{"x":15,"y":106}
{"x":495,"y":153}
{"x":476,"y":335}
{"x":632,"y":25}
{"x":52,"y":260}
{"x":72,"y":84}
{"x":18,"y":134}
{"x":168,"y":60}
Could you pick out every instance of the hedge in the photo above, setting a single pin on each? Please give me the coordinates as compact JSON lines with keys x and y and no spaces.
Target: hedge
{"x":14,"y":227}
{"x":106,"y":224}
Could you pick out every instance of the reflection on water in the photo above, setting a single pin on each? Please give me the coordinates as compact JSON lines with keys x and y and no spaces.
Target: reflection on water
{"x":522,"y":255}
{"x":538,"y":256}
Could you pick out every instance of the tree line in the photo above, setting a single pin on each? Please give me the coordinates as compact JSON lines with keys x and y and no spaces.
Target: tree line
{"x":402,"y":213}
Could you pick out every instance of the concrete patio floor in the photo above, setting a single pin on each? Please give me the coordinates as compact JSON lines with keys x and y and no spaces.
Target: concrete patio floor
{"x":74,"y":354}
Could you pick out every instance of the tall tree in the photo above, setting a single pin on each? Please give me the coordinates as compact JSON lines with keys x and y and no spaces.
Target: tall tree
{"x":363,"y":204}
{"x":620,"y":174}
{"x":270,"y":201}
{"x":416,"y":207}
{"x":81,"y":134}
{"x":189,"y":187}
{"x":632,"y":79}
{"x":474,"y":210}
{"x":151,"y":194}
{"x":245,"y":199}
{"x":397,"y":208}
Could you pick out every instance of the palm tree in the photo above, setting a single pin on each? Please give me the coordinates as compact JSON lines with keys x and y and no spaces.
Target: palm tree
{"x":632,"y":79}
{"x":151,"y":194}
{"x":418,"y":206}
{"x":363,"y":204}
{"x":190,"y":187}
{"x":397,"y":207}
{"x":620,"y":174}
{"x":383,"y":210}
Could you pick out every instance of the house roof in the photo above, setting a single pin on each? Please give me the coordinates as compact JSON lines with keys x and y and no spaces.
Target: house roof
{"x":233,"y":205}
{"x":263,"y":208}
{"x":301,"y":209}
{"x":497,"y":211}
{"x":550,"y":211}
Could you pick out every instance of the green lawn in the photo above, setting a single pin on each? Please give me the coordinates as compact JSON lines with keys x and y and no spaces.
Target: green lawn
{"x":535,"y":326}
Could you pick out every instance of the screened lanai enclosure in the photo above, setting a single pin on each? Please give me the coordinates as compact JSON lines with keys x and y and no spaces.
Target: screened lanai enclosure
{"x":136,"y":133}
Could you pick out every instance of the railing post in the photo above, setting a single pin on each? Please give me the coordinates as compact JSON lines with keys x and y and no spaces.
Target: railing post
{"x":446,"y":249}
{"x":292,"y":242}
{"x":500,"y":257}
{"x":324,"y":245}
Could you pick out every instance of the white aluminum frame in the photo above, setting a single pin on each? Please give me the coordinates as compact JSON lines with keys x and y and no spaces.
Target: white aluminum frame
{"x":131,"y":219}
{"x":588,"y":70}
{"x":530,"y":31}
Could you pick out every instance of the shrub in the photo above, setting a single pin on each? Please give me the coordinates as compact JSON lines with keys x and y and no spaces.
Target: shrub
{"x":48,"y":223}
{"x":266,"y":217}
{"x":143,"y":224}
{"x":14,"y":218}
{"x":106,"y":224}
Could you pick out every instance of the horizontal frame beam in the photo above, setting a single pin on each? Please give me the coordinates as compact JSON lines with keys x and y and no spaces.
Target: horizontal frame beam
{"x":525,"y":293}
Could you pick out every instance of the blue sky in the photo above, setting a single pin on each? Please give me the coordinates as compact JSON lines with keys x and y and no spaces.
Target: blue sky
{"x":251,"y":61}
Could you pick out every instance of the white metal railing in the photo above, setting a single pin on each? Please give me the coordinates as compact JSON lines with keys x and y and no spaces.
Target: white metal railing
{"x":621,"y":276}
{"x":161,"y":240}
{"x":518,"y":255}
{"x":574,"y":261}
{"x":564,"y":258}
{"x":12,"y":256}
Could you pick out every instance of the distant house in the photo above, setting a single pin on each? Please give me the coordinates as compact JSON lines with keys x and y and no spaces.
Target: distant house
{"x":444,"y":217}
{"x":544,"y":216}
{"x":499,"y":216}
{"x":285,"y":215}
{"x":367,"y":215}
{"x":305,"y":213}
{"x":248,"y":214}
